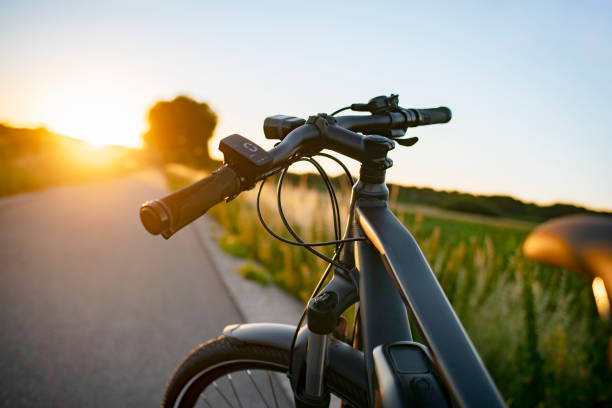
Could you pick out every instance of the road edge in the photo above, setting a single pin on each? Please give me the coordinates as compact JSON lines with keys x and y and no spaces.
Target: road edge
{"x":256,"y":303}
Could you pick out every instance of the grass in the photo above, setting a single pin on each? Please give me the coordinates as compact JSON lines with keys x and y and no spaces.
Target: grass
{"x":255,"y":273}
{"x":536,"y":328}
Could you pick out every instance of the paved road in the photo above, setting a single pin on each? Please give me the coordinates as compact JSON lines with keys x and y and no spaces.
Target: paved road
{"x":93,"y":310}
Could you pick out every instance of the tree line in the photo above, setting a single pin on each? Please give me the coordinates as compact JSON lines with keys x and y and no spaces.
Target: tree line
{"x":494,"y":206}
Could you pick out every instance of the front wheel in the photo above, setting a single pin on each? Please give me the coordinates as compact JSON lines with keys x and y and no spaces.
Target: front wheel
{"x":227,"y":373}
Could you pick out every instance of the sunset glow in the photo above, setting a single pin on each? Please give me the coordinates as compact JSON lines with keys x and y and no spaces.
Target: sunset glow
{"x":99,"y":113}
{"x":525,"y":119}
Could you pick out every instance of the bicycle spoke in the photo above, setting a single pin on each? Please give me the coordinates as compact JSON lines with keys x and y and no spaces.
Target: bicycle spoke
{"x":205,"y":400}
{"x":272,"y":387}
{"x":229,"y":378}
{"x":257,"y":388}
{"x":222,"y":395}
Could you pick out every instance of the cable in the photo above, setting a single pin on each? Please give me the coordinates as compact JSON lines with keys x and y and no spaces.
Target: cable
{"x":305,"y":245}
{"x":329,"y":186}
{"x":297,"y":243}
{"x":297,"y":328}
{"x":339,"y":243}
{"x":352,"y":182}
{"x":332,"y":196}
{"x":337,"y":227}
{"x":334,"y":201}
{"x":330,"y":189}
{"x":350,"y":212}
{"x":340,"y":110}
{"x":346,"y":170}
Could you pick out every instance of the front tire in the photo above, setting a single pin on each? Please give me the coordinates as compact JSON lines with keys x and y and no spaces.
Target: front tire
{"x":229,"y":372}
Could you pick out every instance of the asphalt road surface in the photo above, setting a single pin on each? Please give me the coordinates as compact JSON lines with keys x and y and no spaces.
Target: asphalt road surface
{"x":93,"y":310}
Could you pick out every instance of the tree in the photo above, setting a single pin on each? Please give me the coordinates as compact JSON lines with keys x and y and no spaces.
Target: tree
{"x":179,"y":130}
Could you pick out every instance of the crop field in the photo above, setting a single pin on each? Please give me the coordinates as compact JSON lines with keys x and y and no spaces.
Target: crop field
{"x":536,"y":327}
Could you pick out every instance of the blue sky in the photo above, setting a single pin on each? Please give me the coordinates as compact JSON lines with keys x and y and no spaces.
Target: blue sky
{"x":529,"y":83}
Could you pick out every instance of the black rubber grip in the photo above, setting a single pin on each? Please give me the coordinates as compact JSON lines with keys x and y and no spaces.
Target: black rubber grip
{"x":434,"y":115}
{"x":169,"y":214}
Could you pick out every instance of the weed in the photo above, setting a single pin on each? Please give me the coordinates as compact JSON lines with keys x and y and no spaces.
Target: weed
{"x":255,"y":273}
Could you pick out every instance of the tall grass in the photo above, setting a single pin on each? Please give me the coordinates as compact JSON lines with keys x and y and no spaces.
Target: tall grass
{"x":536,"y":328}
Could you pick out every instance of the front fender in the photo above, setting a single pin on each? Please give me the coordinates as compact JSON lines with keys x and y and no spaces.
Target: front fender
{"x":263,"y":334}
{"x":343,"y":361}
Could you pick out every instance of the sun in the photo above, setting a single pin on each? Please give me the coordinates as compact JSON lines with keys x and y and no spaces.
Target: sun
{"x":98,"y":112}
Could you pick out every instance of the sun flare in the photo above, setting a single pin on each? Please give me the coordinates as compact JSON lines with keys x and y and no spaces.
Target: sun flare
{"x":98,"y":113}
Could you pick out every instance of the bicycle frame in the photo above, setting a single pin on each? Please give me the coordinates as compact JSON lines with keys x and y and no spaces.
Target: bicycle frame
{"x":394,"y":280}
{"x":395,"y":258}
{"x":394,"y":277}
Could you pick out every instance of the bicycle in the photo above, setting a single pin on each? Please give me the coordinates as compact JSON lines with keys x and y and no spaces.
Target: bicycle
{"x":376,"y":264}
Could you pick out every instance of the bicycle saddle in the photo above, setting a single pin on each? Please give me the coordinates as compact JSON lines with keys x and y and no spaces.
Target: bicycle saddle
{"x":582,"y":243}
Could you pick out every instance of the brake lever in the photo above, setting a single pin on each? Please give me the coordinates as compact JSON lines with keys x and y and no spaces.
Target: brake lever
{"x":379,"y":104}
{"x":407,"y":141}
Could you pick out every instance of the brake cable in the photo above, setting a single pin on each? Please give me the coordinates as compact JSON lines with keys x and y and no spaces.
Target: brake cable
{"x":299,"y":242}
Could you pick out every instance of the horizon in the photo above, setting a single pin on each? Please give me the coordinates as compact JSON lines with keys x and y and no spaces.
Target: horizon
{"x":337,"y":174}
{"x":525,"y":90}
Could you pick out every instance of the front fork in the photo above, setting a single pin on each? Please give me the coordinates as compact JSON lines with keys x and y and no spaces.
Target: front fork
{"x":315,"y":365}
{"x":324,"y":311}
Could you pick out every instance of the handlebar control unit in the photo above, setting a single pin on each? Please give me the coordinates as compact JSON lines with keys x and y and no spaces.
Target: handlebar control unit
{"x":244,"y":155}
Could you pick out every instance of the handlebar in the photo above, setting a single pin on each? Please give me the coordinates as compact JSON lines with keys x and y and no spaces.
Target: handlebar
{"x":167,"y":215}
{"x":279,"y":126}
{"x":396,"y":120}
{"x":434,"y":115}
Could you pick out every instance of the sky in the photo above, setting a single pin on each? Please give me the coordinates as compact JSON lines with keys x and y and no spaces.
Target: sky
{"x":529,"y":83}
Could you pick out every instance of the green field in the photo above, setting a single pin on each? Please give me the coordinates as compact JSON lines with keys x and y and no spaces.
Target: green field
{"x":535,"y":327}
